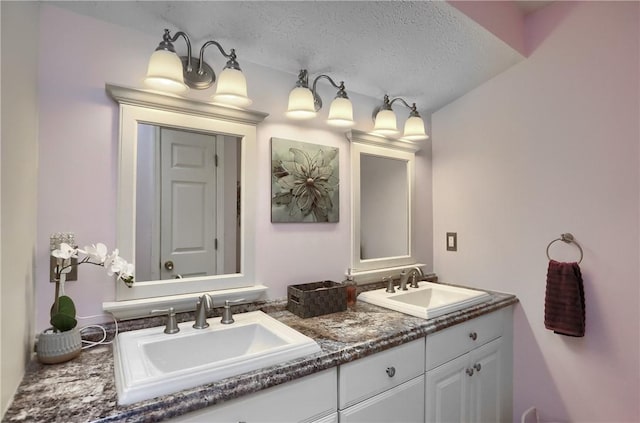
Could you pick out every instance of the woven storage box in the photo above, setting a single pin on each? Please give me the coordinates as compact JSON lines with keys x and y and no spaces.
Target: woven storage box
{"x":316,"y":298}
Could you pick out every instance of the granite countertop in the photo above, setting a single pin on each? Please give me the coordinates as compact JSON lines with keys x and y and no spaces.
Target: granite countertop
{"x":84,"y":390}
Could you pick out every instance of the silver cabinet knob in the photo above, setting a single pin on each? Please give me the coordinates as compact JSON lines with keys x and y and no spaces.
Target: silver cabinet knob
{"x":473,"y":335}
{"x":168,"y":265}
{"x":470,"y":371}
{"x":477,"y":366}
{"x":391,"y":371}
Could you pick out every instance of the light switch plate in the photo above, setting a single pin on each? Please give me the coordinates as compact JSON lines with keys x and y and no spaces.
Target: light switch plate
{"x":452,"y":241}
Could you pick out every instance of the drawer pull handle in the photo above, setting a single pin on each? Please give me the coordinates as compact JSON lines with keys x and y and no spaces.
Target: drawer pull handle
{"x":470,"y":371}
{"x":478,"y":367}
{"x":391,"y":371}
{"x":473,"y":335}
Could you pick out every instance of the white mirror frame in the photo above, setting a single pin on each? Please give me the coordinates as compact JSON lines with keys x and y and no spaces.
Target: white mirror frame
{"x":363,"y":143}
{"x":139,"y":106}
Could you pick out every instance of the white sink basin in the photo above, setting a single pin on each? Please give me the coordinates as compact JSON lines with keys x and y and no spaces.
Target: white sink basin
{"x":427,"y":301}
{"x":149,"y":362}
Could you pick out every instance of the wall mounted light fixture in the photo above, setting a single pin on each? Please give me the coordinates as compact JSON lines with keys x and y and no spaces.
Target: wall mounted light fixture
{"x":385,"y":121}
{"x":304,"y":103}
{"x":169,"y":72}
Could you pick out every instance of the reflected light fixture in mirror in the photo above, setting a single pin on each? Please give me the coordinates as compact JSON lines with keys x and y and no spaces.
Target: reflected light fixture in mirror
{"x":304,"y":103}
{"x":169,"y":72}
{"x":386,"y":124}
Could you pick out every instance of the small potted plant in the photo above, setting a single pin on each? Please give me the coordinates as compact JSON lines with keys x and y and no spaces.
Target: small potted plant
{"x":62,"y":341}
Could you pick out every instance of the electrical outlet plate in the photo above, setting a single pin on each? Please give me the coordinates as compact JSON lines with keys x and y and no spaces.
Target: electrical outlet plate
{"x":70,"y":276}
{"x":54,"y":243}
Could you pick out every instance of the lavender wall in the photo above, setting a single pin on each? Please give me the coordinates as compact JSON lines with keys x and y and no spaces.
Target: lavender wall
{"x":78,"y":150}
{"x":547,"y":147}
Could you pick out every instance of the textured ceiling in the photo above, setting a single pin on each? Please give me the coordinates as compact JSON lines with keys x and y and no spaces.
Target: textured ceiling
{"x":427,"y":52}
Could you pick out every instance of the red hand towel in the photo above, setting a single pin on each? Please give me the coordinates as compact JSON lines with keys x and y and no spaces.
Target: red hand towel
{"x":564,"y":308}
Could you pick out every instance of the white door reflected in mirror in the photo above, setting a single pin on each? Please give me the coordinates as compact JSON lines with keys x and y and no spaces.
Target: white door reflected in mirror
{"x":187,"y":204}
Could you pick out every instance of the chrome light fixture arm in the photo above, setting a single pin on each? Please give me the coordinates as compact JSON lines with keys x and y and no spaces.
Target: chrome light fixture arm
{"x":413,"y":109}
{"x":316,"y":97}
{"x":401,"y":100}
{"x":231,"y":63}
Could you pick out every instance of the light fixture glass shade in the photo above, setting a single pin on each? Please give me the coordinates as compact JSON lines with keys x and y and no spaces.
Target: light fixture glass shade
{"x":414,"y":129}
{"x":232,"y":88}
{"x":301,"y":104}
{"x":385,"y":123}
{"x":165,"y":72}
{"x":341,"y":113}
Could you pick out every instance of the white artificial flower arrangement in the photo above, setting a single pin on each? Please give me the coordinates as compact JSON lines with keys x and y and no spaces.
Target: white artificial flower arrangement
{"x":63,"y":311}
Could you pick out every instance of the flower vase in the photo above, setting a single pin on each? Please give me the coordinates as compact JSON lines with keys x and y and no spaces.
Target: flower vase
{"x":58,"y":347}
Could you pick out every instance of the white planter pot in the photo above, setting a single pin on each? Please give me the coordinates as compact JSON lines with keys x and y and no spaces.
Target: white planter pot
{"x":58,"y":347}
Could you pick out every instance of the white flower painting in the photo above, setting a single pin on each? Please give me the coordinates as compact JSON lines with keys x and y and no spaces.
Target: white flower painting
{"x":304,"y":182}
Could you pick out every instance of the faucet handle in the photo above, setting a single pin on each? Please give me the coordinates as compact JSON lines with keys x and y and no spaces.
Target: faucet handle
{"x":389,"y":281}
{"x":414,"y":280}
{"x":172,"y":324}
{"x":227,"y":316}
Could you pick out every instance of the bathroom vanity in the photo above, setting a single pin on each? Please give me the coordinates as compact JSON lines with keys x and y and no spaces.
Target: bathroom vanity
{"x":462,"y":373}
{"x":375,"y":364}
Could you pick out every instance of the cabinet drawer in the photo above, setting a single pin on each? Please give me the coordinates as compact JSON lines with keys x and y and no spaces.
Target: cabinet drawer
{"x":371,"y":375}
{"x":452,"y":342}
{"x":404,"y":403}
{"x":306,"y":399}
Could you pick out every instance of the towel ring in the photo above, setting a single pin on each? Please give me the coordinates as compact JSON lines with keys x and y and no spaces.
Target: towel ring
{"x":569,"y":239}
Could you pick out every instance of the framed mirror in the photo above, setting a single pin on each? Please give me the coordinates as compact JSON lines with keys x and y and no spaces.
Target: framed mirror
{"x":186,"y":206}
{"x":382,"y":178}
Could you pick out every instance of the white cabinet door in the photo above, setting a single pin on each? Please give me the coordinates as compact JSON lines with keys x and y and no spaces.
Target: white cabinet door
{"x":468,"y":389}
{"x":447,"y":392}
{"x":486,"y":384}
{"x":402,"y":404}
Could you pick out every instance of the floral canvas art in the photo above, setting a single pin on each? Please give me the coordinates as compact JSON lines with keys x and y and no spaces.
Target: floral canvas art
{"x":304,"y":182}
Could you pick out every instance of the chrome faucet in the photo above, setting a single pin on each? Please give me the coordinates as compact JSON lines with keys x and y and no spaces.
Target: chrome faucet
{"x":205,"y":303}
{"x":413,"y":274}
{"x":404,"y":277}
